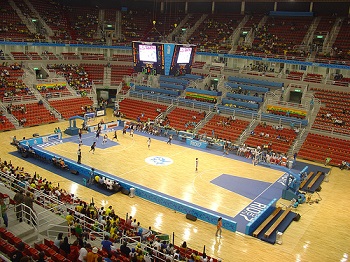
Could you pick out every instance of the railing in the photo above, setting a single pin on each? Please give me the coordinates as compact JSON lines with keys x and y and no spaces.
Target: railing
{"x":19,"y":99}
{"x":50,"y":203}
{"x":137,"y":240}
{"x":151,"y":97}
{"x":331,"y":130}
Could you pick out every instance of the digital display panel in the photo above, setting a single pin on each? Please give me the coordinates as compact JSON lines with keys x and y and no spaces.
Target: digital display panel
{"x":148,"y":53}
{"x":184,"y":56}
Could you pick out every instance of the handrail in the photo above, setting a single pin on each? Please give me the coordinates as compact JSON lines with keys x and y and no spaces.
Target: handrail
{"x":137,"y":240}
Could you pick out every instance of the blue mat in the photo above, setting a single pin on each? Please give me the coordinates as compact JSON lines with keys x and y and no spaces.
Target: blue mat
{"x":89,"y":138}
{"x":64,"y":173}
{"x":246,"y":187}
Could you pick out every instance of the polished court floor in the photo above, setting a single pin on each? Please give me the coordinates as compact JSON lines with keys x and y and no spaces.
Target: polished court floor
{"x":321,"y":235}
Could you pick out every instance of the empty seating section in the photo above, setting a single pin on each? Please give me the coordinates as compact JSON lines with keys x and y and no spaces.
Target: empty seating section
{"x":121,"y":57}
{"x":118,"y":72}
{"x":132,"y":109}
{"x":214,"y":32}
{"x":295,"y":76}
{"x":94,"y":71}
{"x":315,"y":78}
{"x":279,"y":35}
{"x":5,"y":124}
{"x":224,"y":127}
{"x":198,"y":64}
{"x":34,"y":56}
{"x":72,"y":106}
{"x":318,"y":147}
{"x":326,"y":24}
{"x":49,"y":56}
{"x":184,"y":119}
{"x":70,"y":56}
{"x":20,"y":56}
{"x":92,"y":56}
{"x":32,"y":114}
{"x":335,"y":115}
{"x":26,"y":56}
{"x":279,"y":139}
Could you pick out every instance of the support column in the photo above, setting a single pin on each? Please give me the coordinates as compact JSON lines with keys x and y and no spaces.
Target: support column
{"x":243,"y":8}
{"x":186,"y":7}
{"x":275,"y":7}
{"x":161,"y":7}
{"x":311,"y":6}
{"x":212,"y":7}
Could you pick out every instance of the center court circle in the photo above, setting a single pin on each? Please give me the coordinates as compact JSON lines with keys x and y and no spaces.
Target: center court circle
{"x":159,"y":160}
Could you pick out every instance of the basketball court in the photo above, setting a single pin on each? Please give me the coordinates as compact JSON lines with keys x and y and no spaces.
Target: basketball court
{"x":224,"y":185}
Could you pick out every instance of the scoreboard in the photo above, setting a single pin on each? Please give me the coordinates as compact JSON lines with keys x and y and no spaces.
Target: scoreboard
{"x":162,"y":58}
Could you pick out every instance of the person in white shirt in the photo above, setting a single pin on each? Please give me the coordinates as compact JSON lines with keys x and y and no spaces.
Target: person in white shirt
{"x":82,"y":254}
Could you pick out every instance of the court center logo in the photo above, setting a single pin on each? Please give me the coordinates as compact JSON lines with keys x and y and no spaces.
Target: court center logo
{"x":159,"y":160}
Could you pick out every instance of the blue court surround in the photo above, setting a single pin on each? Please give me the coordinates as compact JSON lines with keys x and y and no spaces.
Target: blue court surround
{"x":261,"y":196}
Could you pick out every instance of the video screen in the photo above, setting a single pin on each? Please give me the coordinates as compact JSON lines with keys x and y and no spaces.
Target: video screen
{"x":184,"y":56}
{"x":148,"y":53}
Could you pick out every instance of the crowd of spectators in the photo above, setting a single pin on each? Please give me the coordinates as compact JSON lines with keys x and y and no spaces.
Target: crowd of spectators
{"x":75,"y":75}
{"x":86,"y":220}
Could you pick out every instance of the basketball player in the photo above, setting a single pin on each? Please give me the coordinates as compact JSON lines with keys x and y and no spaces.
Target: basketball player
{"x":115,"y":135}
{"x":132,"y":131}
{"x":92,"y":148}
{"x":149,"y":142}
{"x":197,"y":164}
{"x":218,"y":227}
{"x":79,"y":156}
{"x":97,"y":134}
{"x":169,"y":140}
{"x":80,"y":134}
{"x":105,"y":137}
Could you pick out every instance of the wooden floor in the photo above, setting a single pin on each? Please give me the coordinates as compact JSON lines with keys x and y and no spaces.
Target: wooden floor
{"x":322,"y":234}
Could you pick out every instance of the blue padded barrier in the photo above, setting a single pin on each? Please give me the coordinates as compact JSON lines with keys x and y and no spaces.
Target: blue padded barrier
{"x":171,"y":79}
{"x":240,"y":103}
{"x":248,"y":87}
{"x":255,"y":81}
{"x":232,"y":110}
{"x":171,"y":86}
{"x":244,"y":97}
{"x":157,"y":90}
{"x":192,"y":77}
